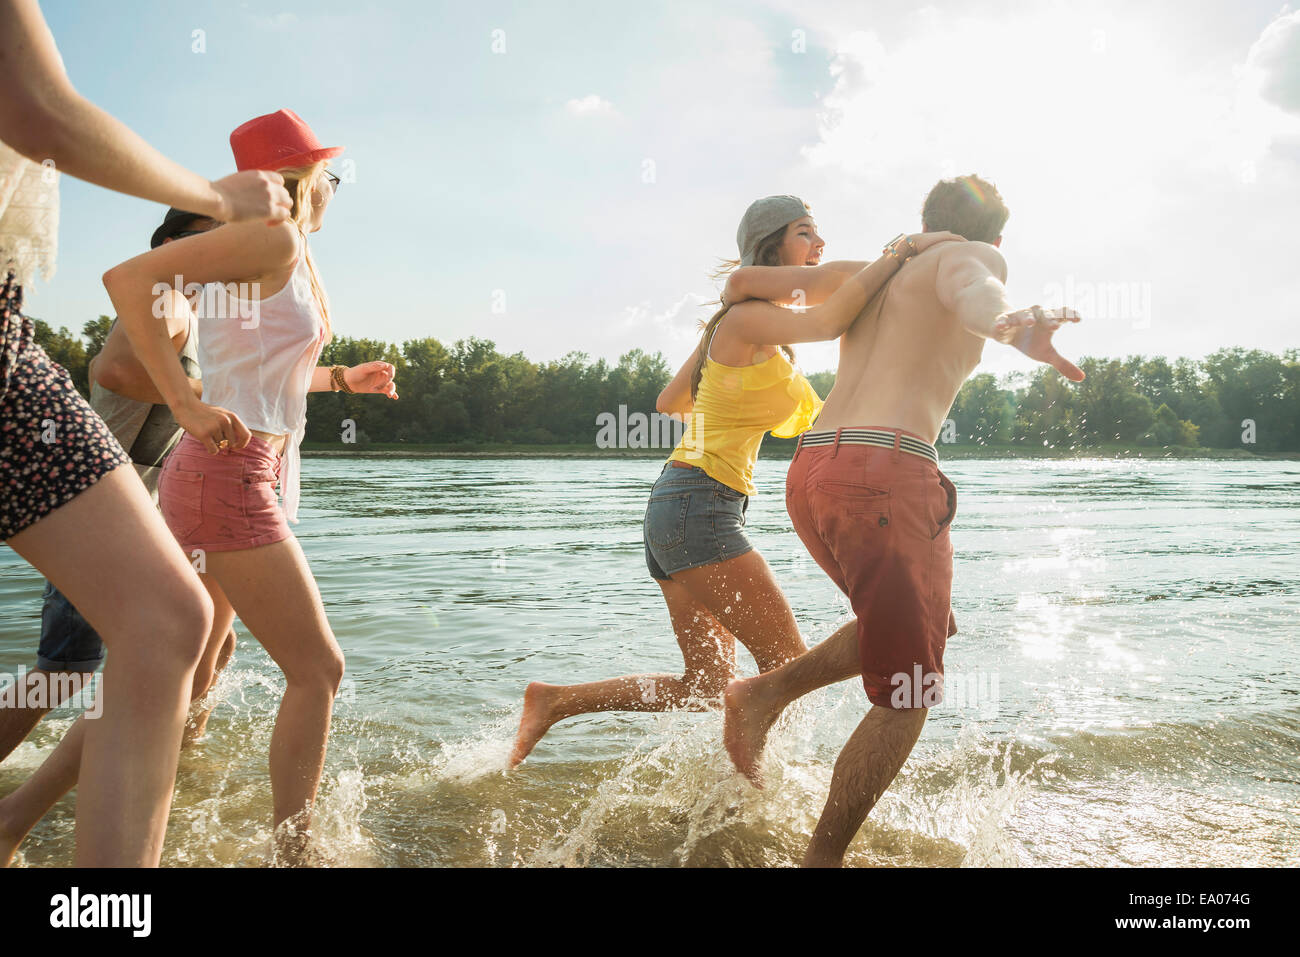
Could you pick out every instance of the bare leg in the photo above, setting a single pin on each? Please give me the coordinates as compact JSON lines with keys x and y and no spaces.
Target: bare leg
{"x":743,"y":595}
{"x":272,"y":590}
{"x":109,"y":552}
{"x":57,"y":775}
{"x":871,"y":759}
{"x":709,"y":654}
{"x":752,"y":705}
{"x":197,"y":723}
{"x":17,"y":723}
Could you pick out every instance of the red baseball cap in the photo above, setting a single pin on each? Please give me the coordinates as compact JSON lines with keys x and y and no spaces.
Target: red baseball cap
{"x":279,"y":140}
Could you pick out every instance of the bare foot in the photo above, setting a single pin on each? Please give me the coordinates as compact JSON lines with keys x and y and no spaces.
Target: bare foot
{"x":291,"y":842}
{"x":9,"y":842}
{"x":195,"y":728}
{"x":535,"y":722}
{"x":747,"y":717}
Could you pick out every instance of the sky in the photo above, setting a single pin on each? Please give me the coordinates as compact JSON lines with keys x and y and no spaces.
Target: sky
{"x":565,"y":177}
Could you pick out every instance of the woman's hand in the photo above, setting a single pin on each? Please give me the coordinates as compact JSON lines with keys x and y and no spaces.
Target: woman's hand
{"x":253,"y":194}
{"x":372,"y":378}
{"x":923,"y":241}
{"x":212,"y":425}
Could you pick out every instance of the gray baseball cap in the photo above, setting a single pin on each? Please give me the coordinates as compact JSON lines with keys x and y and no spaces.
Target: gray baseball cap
{"x":764,"y":217}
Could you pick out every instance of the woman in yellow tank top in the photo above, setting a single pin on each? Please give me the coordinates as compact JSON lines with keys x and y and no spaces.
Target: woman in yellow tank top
{"x":738,"y":384}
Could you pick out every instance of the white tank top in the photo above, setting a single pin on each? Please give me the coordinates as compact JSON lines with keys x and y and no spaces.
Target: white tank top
{"x":258,"y":357}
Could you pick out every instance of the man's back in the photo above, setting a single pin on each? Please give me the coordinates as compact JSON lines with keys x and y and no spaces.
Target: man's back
{"x":905,"y":358}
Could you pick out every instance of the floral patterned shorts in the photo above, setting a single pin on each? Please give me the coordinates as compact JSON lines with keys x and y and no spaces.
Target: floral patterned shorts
{"x":52,"y":444}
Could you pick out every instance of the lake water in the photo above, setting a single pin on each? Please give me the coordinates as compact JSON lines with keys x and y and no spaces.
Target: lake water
{"x":1128,"y":630}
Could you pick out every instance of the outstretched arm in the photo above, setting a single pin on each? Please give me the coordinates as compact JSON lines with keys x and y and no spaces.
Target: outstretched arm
{"x":368,"y":378}
{"x":970,"y":281}
{"x":44,"y":118}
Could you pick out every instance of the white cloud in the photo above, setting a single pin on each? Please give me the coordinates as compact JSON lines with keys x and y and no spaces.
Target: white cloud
{"x":592,"y":104}
{"x":1273,"y":64}
{"x":1119,"y":162}
{"x":674,"y":330}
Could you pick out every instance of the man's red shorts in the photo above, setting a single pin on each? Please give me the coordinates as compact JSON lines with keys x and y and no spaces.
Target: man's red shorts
{"x":876,"y":519}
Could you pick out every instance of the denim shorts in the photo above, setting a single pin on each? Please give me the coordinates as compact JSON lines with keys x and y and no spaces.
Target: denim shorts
{"x":692,"y":520}
{"x":68,"y":643}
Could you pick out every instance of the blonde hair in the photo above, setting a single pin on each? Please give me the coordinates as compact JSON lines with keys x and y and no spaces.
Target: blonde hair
{"x":766,"y":253}
{"x":301,"y":181}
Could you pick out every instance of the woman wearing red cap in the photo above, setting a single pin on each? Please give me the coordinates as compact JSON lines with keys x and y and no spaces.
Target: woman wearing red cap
{"x":263,"y":319}
{"x":70,"y":501}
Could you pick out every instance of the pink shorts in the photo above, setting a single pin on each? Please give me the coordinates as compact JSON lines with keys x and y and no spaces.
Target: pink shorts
{"x":223,"y":502}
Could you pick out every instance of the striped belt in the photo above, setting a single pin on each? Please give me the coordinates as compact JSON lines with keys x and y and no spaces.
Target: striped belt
{"x":884,"y":438}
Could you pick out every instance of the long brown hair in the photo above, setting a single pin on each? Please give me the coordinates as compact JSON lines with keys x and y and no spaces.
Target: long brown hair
{"x":766,"y":253}
{"x":301,"y":182}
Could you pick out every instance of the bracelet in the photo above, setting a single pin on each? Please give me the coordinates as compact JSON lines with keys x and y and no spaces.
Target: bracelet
{"x":340,"y":383}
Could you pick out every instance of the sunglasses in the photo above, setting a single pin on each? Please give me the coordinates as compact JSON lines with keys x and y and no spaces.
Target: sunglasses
{"x":334,"y":180}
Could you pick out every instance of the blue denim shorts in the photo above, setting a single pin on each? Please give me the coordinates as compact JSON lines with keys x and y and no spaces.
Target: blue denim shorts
{"x":692,"y":520}
{"x":68,"y":643}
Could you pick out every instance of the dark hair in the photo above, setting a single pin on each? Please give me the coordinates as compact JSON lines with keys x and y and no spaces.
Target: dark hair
{"x":969,"y":206}
{"x":766,"y":253}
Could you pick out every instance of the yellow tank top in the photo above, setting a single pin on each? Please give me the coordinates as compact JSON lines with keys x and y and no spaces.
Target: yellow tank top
{"x":733,"y":409}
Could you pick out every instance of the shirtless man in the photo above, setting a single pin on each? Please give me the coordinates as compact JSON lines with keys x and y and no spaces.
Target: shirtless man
{"x":866,"y":497}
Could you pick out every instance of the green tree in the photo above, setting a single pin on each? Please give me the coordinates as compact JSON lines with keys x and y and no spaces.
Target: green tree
{"x":1168,"y":429}
{"x":1250,"y":386}
{"x":95,"y":332}
{"x":983,"y":412}
{"x":822,"y":382}
{"x":65,"y":349}
{"x":1110,"y":408}
{"x":1046,"y":412}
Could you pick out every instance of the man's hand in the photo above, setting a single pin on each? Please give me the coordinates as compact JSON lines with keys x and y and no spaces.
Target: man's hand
{"x":375,"y":378}
{"x":1030,"y":330}
{"x":212,"y":425}
{"x":253,"y":194}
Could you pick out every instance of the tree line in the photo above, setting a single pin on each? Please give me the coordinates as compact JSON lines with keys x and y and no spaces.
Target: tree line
{"x":468,"y":392}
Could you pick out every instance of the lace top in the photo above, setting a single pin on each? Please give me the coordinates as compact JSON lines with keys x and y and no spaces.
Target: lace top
{"x":29,"y":217}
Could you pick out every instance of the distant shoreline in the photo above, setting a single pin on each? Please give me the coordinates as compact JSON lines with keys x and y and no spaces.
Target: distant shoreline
{"x":771,"y":450}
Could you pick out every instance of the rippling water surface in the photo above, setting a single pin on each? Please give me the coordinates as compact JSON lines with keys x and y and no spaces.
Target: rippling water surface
{"x":1127,"y":648}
